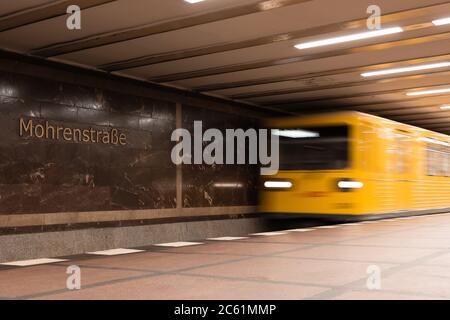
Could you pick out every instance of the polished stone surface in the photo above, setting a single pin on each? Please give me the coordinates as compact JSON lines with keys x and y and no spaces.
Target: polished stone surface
{"x":209,"y":185}
{"x":39,"y":175}
{"x":413,"y":256}
{"x":45,"y":176}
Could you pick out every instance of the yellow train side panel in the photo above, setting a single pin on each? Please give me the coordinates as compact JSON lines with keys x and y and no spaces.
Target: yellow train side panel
{"x":388,"y":157}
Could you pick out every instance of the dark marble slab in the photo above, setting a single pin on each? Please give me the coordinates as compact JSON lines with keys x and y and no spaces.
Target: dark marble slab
{"x":57,"y":112}
{"x":218,"y":185}
{"x":63,"y":198}
{"x":39,"y":176}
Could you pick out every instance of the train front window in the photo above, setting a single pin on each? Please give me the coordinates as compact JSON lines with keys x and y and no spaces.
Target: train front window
{"x":314,"y":148}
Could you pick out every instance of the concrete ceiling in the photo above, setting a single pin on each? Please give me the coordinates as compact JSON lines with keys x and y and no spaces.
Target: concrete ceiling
{"x":244,"y":50}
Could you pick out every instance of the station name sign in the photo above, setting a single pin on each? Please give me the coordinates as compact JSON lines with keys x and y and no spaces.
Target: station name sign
{"x":32,"y":128}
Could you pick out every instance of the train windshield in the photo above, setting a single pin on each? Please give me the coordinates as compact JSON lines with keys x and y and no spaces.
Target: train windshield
{"x":314,"y":148}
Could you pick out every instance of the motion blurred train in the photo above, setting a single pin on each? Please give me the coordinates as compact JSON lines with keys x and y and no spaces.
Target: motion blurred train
{"x":355,"y":166}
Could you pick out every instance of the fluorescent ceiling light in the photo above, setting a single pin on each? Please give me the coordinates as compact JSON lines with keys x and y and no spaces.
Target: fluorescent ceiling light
{"x":406,"y":69}
{"x":420,"y":93}
{"x":441,"y":22}
{"x":350,"y":184}
{"x":278,"y":184}
{"x":445,"y":107}
{"x":295,"y":133}
{"x":194,"y":1}
{"x":348,"y":38}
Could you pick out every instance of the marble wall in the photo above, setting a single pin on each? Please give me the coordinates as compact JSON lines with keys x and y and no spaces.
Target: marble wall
{"x":219,"y":184}
{"x":45,"y":176}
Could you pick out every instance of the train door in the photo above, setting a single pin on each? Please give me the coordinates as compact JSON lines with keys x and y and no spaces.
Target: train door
{"x":403,"y":169}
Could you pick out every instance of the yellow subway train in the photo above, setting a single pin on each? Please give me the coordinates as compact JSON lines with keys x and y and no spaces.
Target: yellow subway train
{"x":351,"y":165}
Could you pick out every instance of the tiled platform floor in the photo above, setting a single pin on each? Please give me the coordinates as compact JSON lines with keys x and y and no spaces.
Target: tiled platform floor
{"x":412,"y":254}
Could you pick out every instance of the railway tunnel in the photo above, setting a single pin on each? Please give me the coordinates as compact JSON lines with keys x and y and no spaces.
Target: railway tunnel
{"x":217,"y":150}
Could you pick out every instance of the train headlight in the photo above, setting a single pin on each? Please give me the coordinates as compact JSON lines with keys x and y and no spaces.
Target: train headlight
{"x":347,"y":185}
{"x":278,"y":184}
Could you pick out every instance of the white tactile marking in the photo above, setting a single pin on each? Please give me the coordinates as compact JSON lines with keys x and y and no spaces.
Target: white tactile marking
{"x":325,"y":227}
{"x":300,"y":230}
{"x":34,"y":262}
{"x":115,"y":252}
{"x":227,"y":238}
{"x":178,"y":244}
{"x":268,"y":233}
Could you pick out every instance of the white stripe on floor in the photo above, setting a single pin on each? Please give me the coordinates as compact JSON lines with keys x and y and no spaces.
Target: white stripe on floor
{"x":227,"y":238}
{"x":178,"y":244}
{"x":268,"y":233}
{"x":115,"y":252}
{"x":325,"y":227}
{"x":300,"y":230}
{"x":34,"y":262}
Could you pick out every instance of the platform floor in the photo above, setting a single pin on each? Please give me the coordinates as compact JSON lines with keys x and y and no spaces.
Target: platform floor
{"x":412,"y":253}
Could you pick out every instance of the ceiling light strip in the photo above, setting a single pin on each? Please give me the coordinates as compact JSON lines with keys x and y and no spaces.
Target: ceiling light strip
{"x":441,"y":22}
{"x":426,"y":92}
{"x":406,"y":69}
{"x":348,"y":38}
